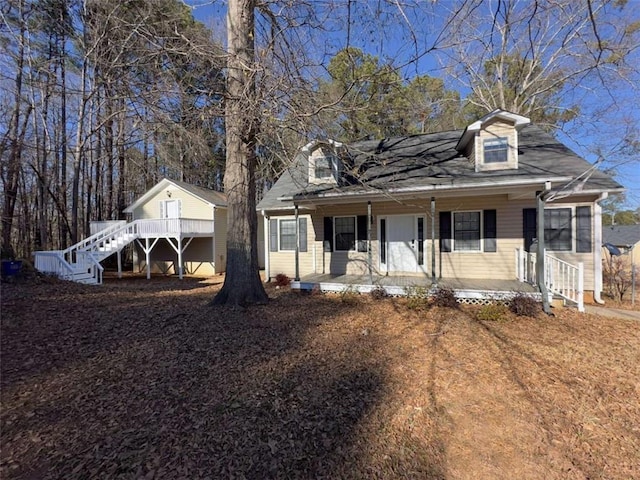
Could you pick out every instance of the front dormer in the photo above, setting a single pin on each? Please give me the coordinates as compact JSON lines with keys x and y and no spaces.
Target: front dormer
{"x":324,"y":161}
{"x":492,"y":142}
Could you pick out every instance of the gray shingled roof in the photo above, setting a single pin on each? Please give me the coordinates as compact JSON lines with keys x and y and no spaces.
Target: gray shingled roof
{"x":211,"y":196}
{"x":420,"y":161}
{"x":621,"y":235}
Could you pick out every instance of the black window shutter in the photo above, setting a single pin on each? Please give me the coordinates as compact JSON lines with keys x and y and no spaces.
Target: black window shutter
{"x":490,"y":231}
{"x":362,"y":233}
{"x":445,"y":231}
{"x":328,"y":234}
{"x":273,"y":235}
{"x":529,"y":227}
{"x":583,"y":229}
{"x":302,"y":231}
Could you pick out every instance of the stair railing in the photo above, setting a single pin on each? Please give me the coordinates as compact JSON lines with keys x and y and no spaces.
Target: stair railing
{"x":560,"y":277}
{"x":53,"y":263}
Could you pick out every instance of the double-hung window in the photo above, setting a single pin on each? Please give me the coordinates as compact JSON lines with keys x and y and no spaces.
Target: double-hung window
{"x":288,"y":234}
{"x":466,"y":231}
{"x":345,"y":233}
{"x":496,"y":150}
{"x":557,"y":229}
{"x":324,"y":167}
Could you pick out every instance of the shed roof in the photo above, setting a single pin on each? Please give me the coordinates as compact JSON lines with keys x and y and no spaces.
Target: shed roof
{"x":217,"y":199}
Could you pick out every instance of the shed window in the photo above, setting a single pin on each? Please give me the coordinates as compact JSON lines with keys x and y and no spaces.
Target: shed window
{"x":496,"y":150}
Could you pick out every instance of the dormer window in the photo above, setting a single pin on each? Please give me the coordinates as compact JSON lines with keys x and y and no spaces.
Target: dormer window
{"x":492,"y":141}
{"x":496,"y":150}
{"x":325,"y":167}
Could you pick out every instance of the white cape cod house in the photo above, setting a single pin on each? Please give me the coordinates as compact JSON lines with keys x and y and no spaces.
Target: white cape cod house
{"x":175,"y":228}
{"x":455,"y":208}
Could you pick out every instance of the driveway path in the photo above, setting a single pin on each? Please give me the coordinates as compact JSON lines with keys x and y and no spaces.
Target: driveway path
{"x":613,"y":312}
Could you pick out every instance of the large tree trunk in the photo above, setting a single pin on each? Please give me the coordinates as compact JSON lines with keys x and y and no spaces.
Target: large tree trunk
{"x":242,"y":284}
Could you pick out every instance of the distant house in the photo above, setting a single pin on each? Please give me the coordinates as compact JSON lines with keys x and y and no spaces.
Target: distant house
{"x":455,"y":208}
{"x":626,"y":238}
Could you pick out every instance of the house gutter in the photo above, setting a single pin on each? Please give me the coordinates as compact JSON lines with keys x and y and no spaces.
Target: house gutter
{"x":597,"y":250}
{"x":374,"y":194}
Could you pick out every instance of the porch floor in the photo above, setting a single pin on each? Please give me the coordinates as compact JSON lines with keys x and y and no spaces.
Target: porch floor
{"x":396,"y":285}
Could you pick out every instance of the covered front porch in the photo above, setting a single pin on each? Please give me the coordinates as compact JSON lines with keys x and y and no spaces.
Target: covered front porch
{"x":467,"y":290}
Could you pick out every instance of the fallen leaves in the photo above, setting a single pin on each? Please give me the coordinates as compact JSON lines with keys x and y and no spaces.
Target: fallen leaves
{"x":142,"y":379}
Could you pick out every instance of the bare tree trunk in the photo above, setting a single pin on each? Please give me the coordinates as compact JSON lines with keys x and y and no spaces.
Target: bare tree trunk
{"x":242,"y":284}
{"x":120,"y":206}
{"x":15,"y":151}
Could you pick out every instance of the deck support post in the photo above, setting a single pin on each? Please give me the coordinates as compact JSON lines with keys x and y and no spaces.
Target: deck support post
{"x":369,"y":254}
{"x":297,"y":259}
{"x":433,"y":240}
{"x":119,"y":254}
{"x":180,"y":257}
{"x":147,"y":252}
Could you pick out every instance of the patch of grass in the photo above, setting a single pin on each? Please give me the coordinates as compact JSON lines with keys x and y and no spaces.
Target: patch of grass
{"x":494,"y":312}
{"x":417,"y":297}
{"x":349,"y":295}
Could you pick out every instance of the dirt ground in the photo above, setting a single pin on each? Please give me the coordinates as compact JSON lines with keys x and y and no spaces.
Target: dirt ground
{"x":142,"y":379}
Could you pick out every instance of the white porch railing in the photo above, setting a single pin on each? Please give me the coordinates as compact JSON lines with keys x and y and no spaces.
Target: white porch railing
{"x":81,"y":262}
{"x":561,"y":278}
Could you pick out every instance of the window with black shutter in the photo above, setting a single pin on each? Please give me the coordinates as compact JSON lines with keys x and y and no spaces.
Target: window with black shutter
{"x":445,"y":231}
{"x":490,"y":229}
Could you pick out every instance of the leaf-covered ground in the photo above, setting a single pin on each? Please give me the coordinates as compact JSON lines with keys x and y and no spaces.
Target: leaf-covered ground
{"x":142,"y":379}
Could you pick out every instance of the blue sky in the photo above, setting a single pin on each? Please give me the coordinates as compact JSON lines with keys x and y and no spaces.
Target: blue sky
{"x":400,"y":45}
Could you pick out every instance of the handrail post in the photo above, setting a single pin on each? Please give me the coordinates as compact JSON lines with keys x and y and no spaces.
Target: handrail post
{"x":581,"y":287}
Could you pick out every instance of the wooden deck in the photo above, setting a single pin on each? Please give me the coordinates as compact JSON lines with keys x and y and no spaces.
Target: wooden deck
{"x":465,"y":288}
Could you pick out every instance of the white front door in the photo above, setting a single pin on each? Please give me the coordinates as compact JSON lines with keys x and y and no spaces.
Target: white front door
{"x":402,"y":243}
{"x":171,"y":209}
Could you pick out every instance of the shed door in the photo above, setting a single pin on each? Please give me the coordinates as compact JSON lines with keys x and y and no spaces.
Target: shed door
{"x":171,"y":209}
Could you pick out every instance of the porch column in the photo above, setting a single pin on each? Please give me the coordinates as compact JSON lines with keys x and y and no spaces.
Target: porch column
{"x":147,"y":252}
{"x":266,"y":235}
{"x":297,"y":254}
{"x":369,"y":254}
{"x":433,"y":239}
{"x":540,"y":253}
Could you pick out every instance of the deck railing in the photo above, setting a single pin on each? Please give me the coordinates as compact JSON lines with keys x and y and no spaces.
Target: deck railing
{"x":560,"y":277}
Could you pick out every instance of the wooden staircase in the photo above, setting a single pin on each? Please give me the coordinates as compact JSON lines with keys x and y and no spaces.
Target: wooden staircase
{"x":81,"y":262}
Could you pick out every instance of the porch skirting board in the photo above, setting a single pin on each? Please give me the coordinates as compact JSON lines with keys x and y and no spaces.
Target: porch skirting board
{"x":470,"y":291}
